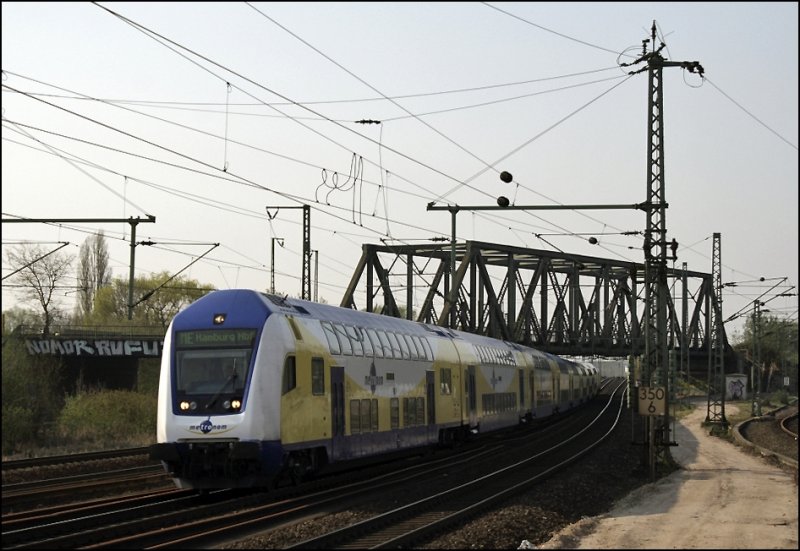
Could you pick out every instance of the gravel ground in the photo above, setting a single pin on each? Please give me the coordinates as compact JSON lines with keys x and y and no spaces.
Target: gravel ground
{"x":589,"y":488}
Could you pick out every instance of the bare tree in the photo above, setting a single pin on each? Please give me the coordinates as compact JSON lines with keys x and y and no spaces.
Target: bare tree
{"x":39,"y":272}
{"x":93,"y":271}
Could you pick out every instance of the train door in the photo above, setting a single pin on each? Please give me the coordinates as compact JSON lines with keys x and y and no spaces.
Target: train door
{"x":571,"y":387}
{"x":556,"y":388}
{"x":431,"y":397}
{"x":472,"y":398}
{"x":337,"y":410}
{"x":521,"y":390}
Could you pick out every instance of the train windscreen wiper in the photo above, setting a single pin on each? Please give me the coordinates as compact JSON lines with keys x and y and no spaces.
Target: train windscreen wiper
{"x":216,"y":396}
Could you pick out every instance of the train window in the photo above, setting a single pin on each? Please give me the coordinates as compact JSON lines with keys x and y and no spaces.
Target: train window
{"x":428,"y":351}
{"x":330,"y":334}
{"x":207,"y":371}
{"x":387,"y":348}
{"x":409,"y":353}
{"x":394,"y":345}
{"x":413,"y":411}
{"x":317,"y":376}
{"x":401,"y":342}
{"x":420,"y":348}
{"x":344,"y":340}
{"x":363,"y":415}
{"x":355,"y":416}
{"x":412,"y":348}
{"x":532,"y":386}
{"x":355,"y":340}
{"x":376,"y":342}
{"x":365,"y":342}
{"x":366,"y":411}
{"x":289,"y":375}
{"x":373,"y":415}
{"x":445,"y":380}
{"x":422,"y":355}
{"x":394,"y":412}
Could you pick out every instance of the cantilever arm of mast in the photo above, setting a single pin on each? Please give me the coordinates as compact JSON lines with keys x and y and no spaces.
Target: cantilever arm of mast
{"x":636,"y":206}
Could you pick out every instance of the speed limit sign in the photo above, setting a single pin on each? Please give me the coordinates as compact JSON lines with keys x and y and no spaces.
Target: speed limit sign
{"x":652,"y":400}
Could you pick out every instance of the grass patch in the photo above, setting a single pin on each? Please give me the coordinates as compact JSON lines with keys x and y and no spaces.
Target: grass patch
{"x":107,"y":419}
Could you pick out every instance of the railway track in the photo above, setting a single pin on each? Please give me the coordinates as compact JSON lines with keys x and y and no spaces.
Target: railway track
{"x":48,"y":482}
{"x":72,"y":458}
{"x":789,"y":425}
{"x":772,"y":435}
{"x":403,"y":526}
{"x":175,"y":520}
{"x":50,"y":492}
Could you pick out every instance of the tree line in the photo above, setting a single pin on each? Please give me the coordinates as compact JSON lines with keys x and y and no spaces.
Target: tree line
{"x":45,"y":278}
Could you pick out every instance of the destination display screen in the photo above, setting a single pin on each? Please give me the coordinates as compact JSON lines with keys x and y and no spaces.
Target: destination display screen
{"x":215,"y":337}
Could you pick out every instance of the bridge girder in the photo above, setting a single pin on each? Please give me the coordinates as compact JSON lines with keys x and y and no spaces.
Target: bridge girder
{"x":559,"y":302}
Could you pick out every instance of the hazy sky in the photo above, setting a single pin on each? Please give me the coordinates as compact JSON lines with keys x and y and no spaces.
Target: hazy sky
{"x":208,"y":113}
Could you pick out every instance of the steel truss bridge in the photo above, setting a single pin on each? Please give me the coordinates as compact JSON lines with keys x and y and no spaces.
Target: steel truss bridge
{"x":566,"y":304}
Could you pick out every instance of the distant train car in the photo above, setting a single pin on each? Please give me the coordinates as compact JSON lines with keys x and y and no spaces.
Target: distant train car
{"x":255,"y":387}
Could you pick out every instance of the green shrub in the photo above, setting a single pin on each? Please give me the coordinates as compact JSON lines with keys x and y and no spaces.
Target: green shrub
{"x":32,"y":396}
{"x":148,"y":375}
{"x":18,"y":426}
{"x":781,"y":397}
{"x":111,"y":418}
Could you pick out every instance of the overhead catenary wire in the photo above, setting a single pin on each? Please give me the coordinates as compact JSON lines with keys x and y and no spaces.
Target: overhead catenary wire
{"x":151,"y":33}
{"x":211,"y":174}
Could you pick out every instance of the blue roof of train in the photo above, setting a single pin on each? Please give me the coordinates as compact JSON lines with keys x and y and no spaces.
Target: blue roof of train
{"x":249,"y":308}
{"x":241,"y":307}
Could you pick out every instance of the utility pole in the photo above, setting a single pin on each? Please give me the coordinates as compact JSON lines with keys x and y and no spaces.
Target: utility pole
{"x":132,"y":221}
{"x":755,"y":375}
{"x":306,"y":283}
{"x":272,"y":264}
{"x":656,"y":359}
{"x":685,"y":325}
{"x":316,"y":275}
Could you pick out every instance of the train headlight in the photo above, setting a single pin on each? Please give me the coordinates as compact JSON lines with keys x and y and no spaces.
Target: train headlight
{"x":193,"y":406}
{"x":226,"y":404}
{"x":184,"y":406}
{"x":236,"y":404}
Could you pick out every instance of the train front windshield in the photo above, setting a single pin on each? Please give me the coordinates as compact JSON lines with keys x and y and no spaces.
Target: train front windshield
{"x":211,"y":371}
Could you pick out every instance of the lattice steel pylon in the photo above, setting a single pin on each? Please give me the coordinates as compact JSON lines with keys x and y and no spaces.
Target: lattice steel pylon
{"x":656,"y":357}
{"x":716,"y":355}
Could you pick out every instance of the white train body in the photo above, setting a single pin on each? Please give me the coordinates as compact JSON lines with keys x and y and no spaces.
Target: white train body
{"x":255,"y":386}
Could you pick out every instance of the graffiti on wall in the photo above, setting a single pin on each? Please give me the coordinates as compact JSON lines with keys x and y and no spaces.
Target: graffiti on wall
{"x":97,"y":347}
{"x":737,"y":385}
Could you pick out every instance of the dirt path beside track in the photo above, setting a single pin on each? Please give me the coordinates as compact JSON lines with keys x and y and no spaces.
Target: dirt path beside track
{"x":722,"y":498}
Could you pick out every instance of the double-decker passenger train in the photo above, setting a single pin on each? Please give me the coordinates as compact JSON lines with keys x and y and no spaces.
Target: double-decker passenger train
{"x":255,"y":387}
